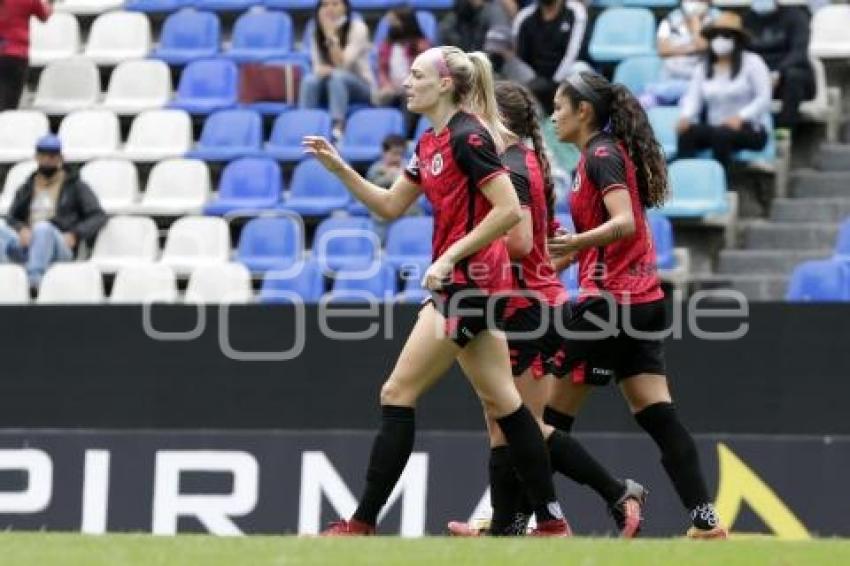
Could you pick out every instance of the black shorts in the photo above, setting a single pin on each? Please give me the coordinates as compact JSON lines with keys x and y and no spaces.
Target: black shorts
{"x":597,"y":360}
{"x":537,"y":351}
{"x":468,"y":312}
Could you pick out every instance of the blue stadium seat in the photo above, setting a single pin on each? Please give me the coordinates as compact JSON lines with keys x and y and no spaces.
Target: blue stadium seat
{"x":820,"y":280}
{"x":229,"y":134}
{"x":566,"y":222}
{"x":842,"y":243}
{"x":422,"y":125}
{"x":635,"y":3}
{"x":570,"y":279}
{"x":156,"y":6}
{"x":376,"y":4}
{"x":765,"y":155}
{"x":366,"y":129}
{"x":206,"y":86}
{"x":413,"y":296}
{"x":188,"y":35}
{"x":314,"y":191}
{"x":259,"y":35}
{"x":427,"y":23}
{"x":663,"y":120}
{"x":268,"y":244}
{"x":305,"y":280}
{"x":224,"y":5}
{"x":697,"y":187}
{"x":638,"y":72}
{"x":291,"y":127}
{"x":346,"y":243}
{"x":432,"y":4}
{"x":409,"y":240}
{"x":291,"y":4}
{"x":247,"y":184}
{"x":359,"y":286}
{"x":662,"y":238}
{"x":622,"y":32}
{"x":425,"y":205}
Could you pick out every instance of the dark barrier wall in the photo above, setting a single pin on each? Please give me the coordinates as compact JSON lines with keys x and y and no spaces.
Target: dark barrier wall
{"x":97,"y":367}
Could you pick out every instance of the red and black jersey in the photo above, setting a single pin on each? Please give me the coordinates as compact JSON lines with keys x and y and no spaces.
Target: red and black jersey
{"x":536,"y":272}
{"x":450,"y":168}
{"x":626,"y":268}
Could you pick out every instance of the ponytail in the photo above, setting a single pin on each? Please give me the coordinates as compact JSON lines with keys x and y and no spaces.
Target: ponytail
{"x":482,"y":98}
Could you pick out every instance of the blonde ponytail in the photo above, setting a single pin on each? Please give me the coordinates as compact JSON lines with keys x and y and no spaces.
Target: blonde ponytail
{"x":482,"y":98}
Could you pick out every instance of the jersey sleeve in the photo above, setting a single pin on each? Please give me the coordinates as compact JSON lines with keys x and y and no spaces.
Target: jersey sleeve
{"x":605,"y":167}
{"x":475,"y":153}
{"x":411,"y":172}
{"x":522,"y":188}
{"x":515,"y":163}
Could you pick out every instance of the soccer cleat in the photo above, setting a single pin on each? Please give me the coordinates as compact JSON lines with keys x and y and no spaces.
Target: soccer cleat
{"x":352,"y":528}
{"x":628,"y":510}
{"x":553,"y":528}
{"x":717,"y":533}
{"x":474,"y":528}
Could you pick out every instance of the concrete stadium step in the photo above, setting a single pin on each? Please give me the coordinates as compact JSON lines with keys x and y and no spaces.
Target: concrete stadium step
{"x":810,"y":209}
{"x":811,"y":183}
{"x":775,"y":262}
{"x":833,"y":157}
{"x":789,"y":236}
{"x":762,"y":287}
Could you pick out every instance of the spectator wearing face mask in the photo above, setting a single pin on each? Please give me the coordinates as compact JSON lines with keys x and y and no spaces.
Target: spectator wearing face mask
{"x":466,"y":27}
{"x":728,"y":98}
{"x":780,"y":34}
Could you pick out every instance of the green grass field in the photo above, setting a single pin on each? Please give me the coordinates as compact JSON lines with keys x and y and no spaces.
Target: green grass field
{"x":36,"y":549}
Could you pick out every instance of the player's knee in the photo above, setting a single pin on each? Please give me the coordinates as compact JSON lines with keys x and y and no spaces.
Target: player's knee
{"x":394,"y":394}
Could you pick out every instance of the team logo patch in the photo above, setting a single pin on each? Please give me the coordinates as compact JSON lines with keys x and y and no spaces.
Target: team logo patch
{"x":474,"y":140}
{"x":601,"y":151}
{"x":437,"y":165}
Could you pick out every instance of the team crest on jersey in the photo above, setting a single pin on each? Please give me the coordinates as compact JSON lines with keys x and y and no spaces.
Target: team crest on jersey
{"x":576,"y":182}
{"x":437,"y":165}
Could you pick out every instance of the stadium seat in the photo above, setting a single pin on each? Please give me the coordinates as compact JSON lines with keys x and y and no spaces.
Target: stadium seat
{"x":314,"y":191}
{"x":114,"y":181}
{"x":432,"y":4}
{"x":16,"y":177}
{"x":135,"y":86}
{"x":247,"y":185}
{"x":366,"y":130}
{"x":303,"y":282}
{"x":157,"y":6}
{"x":409,"y":240}
{"x":224,"y":5}
{"x":14,"y":285}
{"x":622,"y":32}
{"x":87,"y":7}
{"x":427,"y":23}
{"x":290,"y":128}
{"x":764,"y":155}
{"x":421,"y":126}
{"x":219,"y":284}
{"x":565,"y":221}
{"x":638,"y":3}
{"x":425,"y":205}
{"x":206,"y":86}
{"x":19,"y":131}
{"x":638,"y":72}
{"x":346,"y":243}
{"x":271,"y":243}
{"x":259,"y":35}
{"x":187,"y":36}
{"x":176,"y":187}
{"x":376,"y":4}
{"x":842,"y":242}
{"x":125,"y":241}
{"x":663,"y":120}
{"x":159,"y":134}
{"x":194,"y":241}
{"x":829,"y":37}
{"x":89,"y":134}
{"x":358,"y":286}
{"x":662,"y":239}
{"x":144,"y":283}
{"x":119,"y":36}
{"x":229,"y":134}
{"x":287,"y":5}
{"x":57,"y":38}
{"x":71,"y":283}
{"x":66,"y":85}
{"x":819,"y":281}
{"x":697,"y":189}
{"x":570,"y":280}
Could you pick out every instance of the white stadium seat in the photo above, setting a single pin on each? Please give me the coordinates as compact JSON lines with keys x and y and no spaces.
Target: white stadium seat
{"x":176,"y":187}
{"x":71,"y":283}
{"x":19,"y":130}
{"x":114,"y":181}
{"x":125,"y":241}
{"x":67,"y":85}
{"x":89,"y":134}
{"x":159,"y":134}
{"x":829,"y":32}
{"x":144,"y":283}
{"x":16,"y":177}
{"x":57,"y":38}
{"x":223,"y":283}
{"x":136,"y":86}
{"x":119,"y":36}
{"x":14,"y":286}
{"x":87,"y":7}
{"x":194,"y":241}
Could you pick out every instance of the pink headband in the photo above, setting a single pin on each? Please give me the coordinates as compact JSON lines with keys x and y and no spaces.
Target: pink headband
{"x":440,"y":62}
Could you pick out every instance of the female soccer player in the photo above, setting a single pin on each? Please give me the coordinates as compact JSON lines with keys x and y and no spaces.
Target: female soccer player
{"x":457,"y":166}
{"x":621,"y":172}
{"x":538,"y":307}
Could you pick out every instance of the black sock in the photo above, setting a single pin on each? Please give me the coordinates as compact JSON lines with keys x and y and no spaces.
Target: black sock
{"x":506,"y":494}
{"x":557,"y":419}
{"x":678,"y":453}
{"x":571,"y":459}
{"x":531,"y":461}
{"x":390,"y":452}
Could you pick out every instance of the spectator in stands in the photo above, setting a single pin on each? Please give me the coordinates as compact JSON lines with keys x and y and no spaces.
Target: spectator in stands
{"x":728,"y":98}
{"x":499,"y":46}
{"x":549,"y":36}
{"x":386,"y":170}
{"x":404,"y":42}
{"x":341,"y":70}
{"x":52,"y":212}
{"x":780,"y":34}
{"x":14,"y":45}
{"x":466,"y":27}
{"x":682,"y":46}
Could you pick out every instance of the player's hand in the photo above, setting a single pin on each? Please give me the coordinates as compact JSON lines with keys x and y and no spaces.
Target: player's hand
{"x":562,"y":245}
{"x":438,"y":274}
{"x":324,"y":151}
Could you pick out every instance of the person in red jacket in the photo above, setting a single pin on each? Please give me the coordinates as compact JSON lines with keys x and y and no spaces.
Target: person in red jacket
{"x":15,"y":45}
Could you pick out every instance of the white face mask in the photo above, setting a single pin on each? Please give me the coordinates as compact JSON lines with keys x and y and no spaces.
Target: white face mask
{"x":722,"y":46}
{"x":694,"y":7}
